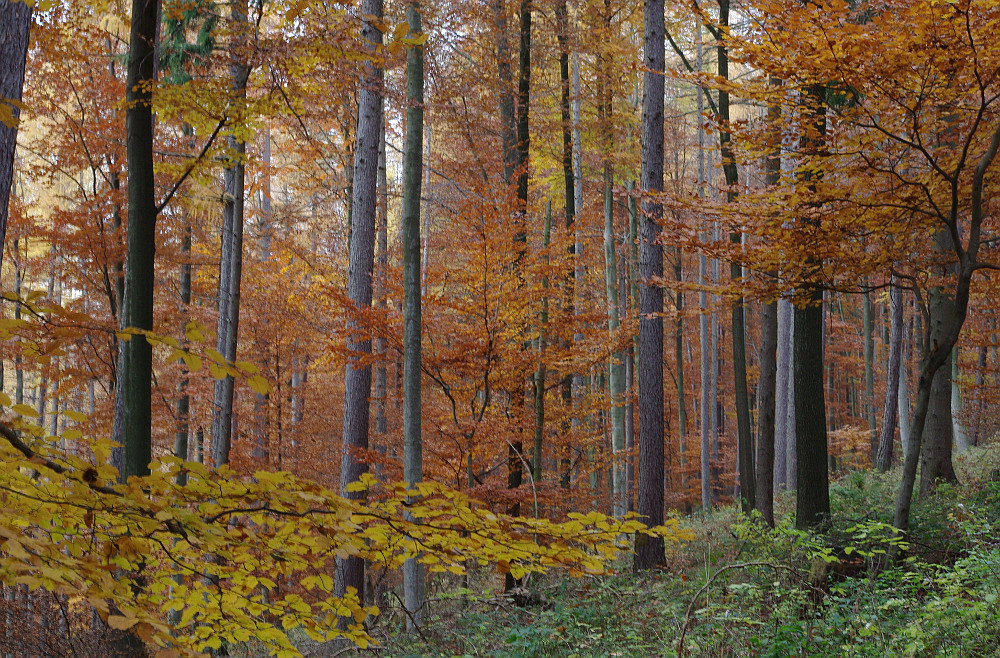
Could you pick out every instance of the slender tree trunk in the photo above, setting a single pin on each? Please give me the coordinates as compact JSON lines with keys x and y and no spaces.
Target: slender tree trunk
{"x":616,"y":374}
{"x":782,"y":441}
{"x":903,"y":397}
{"x":633,"y":295}
{"x":869,"y":355}
{"x":413,"y":571}
{"x":382,"y":264}
{"x":961,"y":437}
{"x":704,"y":423}
{"x":133,"y":398}
{"x":15,"y":24}
{"x":742,"y":397}
{"x":649,"y":550}
{"x":766,"y":391}
{"x":813,"y":498}
{"x":231,"y":264}
{"x":543,"y":321}
{"x":364,"y":208}
{"x":889,"y":412}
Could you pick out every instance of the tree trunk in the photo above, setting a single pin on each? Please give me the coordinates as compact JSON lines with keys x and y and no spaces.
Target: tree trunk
{"x":543,"y":321}
{"x":892,"y":378}
{"x":766,"y":391}
{"x":961,"y":437}
{"x":364,"y":208}
{"x":813,"y":498}
{"x":742,"y":397}
{"x":633,"y":296}
{"x":869,"y":355}
{"x":413,"y":571}
{"x":133,"y":397}
{"x":231,"y":263}
{"x":704,"y":423}
{"x":649,"y":550}
{"x":616,"y":376}
{"x":782,"y":438}
{"x":15,"y":24}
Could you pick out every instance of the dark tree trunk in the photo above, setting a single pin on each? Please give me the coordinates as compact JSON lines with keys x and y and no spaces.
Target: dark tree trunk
{"x":15,"y":24}
{"x":740,"y":391}
{"x":812,"y":476}
{"x":883,"y":459}
{"x":649,"y":550}
{"x":413,"y":573}
{"x":133,"y":397}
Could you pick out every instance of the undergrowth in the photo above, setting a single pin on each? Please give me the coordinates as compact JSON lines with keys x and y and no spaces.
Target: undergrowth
{"x":739,"y":589}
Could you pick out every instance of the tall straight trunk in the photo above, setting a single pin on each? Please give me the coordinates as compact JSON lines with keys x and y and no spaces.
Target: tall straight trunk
{"x":632,"y":293}
{"x":133,"y":397}
{"x":18,"y":366}
{"x":567,"y":110}
{"x":543,"y":321}
{"x":782,"y":380}
{"x":364,"y":208}
{"x":744,"y":440}
{"x":616,"y":377}
{"x":382,"y":264}
{"x":704,"y":423}
{"x":183,"y":405}
{"x":15,"y":24}
{"x":889,"y":412}
{"x":813,"y":497}
{"x":767,"y":387}
{"x":903,"y":399}
{"x":515,"y":456}
{"x":869,"y":356}
{"x":413,"y":571}
{"x":649,"y":550}
{"x":231,"y":263}
{"x":682,"y":447}
{"x":262,"y":401}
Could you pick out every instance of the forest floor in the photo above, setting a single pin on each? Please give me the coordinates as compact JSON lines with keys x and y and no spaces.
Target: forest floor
{"x":739,"y":589}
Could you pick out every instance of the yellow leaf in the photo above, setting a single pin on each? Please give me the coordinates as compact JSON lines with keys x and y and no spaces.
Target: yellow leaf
{"x":75,"y":415}
{"x":120,"y":623}
{"x":217,"y":371}
{"x":4,"y":399}
{"x":259,"y":385}
{"x":193,"y":332}
{"x":72,"y":435}
{"x":192,"y":361}
{"x":24,"y":410}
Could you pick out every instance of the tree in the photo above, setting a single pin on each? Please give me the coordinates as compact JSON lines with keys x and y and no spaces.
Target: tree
{"x":136,"y":361}
{"x":364,"y":207}
{"x":15,"y":22}
{"x":413,"y":575}
{"x":231,"y":260}
{"x":649,"y":485}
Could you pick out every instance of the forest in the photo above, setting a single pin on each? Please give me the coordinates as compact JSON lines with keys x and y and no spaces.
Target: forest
{"x":499,"y":328}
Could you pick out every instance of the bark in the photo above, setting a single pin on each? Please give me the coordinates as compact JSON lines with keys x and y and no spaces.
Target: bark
{"x":133,"y":397}
{"x":649,"y":550}
{"x":616,"y":375}
{"x":813,"y":499}
{"x":15,"y":24}
{"x":903,"y":398}
{"x":382,"y":264}
{"x":633,"y":295}
{"x":782,"y":379}
{"x":543,"y":321}
{"x":768,"y":358}
{"x":413,"y":572}
{"x":869,"y":356}
{"x":364,"y":204}
{"x":704,"y":423}
{"x":892,"y":376}
{"x":231,"y":263}
{"x":961,"y":437}
{"x":742,"y":398}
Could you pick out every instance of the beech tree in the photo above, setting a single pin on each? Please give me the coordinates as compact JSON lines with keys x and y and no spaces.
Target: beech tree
{"x":15,"y":22}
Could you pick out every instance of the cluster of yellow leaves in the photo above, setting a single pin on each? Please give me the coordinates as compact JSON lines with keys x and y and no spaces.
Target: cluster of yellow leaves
{"x":225,"y":550}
